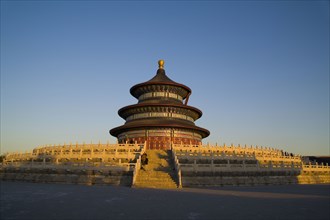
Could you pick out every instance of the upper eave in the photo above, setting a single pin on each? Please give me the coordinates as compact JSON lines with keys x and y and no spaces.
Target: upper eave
{"x":159,"y":79}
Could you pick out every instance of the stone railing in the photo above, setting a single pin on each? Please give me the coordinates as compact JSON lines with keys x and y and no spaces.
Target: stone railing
{"x":85,"y":155}
{"x":241,"y":167}
{"x":200,"y":158}
{"x":138,"y":165}
{"x":233,"y":152}
{"x":103,"y":166}
{"x":317,"y":168}
{"x":177,"y":168}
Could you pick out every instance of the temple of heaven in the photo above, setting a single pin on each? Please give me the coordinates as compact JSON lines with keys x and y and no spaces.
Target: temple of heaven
{"x":162,"y":115}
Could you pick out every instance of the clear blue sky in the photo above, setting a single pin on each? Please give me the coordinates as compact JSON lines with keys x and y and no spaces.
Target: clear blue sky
{"x":259,"y":70}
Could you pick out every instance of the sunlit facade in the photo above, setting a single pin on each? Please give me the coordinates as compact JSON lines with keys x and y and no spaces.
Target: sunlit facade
{"x":162,"y":116}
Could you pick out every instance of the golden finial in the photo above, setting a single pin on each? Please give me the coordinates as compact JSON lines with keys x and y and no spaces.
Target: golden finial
{"x":161,"y":64}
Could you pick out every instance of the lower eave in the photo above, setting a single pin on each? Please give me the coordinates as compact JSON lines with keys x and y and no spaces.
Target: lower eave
{"x":118,"y":130}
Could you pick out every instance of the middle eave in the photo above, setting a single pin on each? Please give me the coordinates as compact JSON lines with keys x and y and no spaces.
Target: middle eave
{"x":131,"y":109}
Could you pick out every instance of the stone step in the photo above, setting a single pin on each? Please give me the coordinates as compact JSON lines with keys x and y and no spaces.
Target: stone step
{"x":162,"y":170}
{"x":155,"y":180}
{"x":159,"y":173}
{"x":156,"y":174}
{"x":145,"y":179}
{"x":157,"y":186}
{"x":160,"y":178}
{"x":155,"y":177}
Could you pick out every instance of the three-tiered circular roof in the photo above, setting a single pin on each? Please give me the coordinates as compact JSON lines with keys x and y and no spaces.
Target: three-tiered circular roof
{"x":166,"y":104}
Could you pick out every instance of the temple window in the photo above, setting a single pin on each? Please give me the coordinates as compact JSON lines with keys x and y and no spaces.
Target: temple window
{"x":159,"y":114}
{"x":160,"y":94}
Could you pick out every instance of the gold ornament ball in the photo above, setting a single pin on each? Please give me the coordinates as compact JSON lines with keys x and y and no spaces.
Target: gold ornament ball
{"x":161,"y":64}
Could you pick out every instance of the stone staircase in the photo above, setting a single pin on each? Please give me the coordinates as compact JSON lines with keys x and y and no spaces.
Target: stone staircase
{"x":159,"y":173}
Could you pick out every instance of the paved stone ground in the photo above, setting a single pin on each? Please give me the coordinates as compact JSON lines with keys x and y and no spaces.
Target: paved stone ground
{"x":20,"y":200}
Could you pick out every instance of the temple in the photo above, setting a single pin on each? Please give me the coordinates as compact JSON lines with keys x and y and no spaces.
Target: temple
{"x":159,"y":146}
{"x":162,"y":116}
